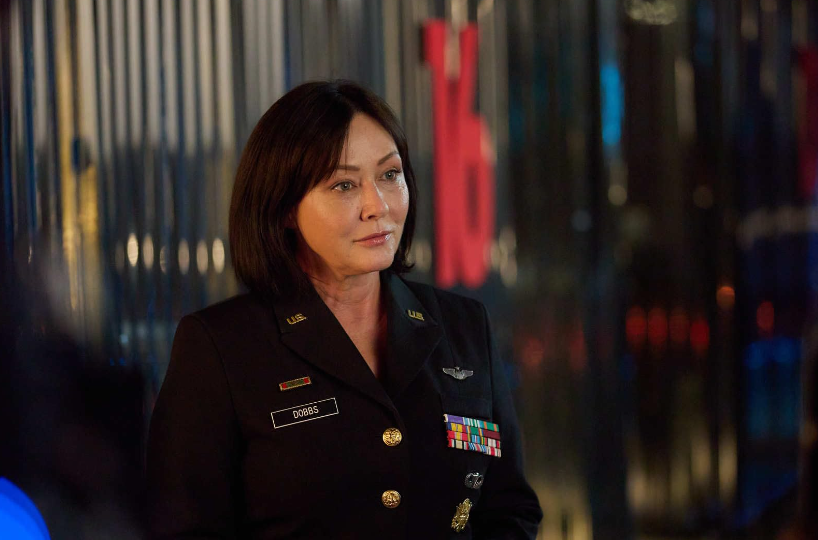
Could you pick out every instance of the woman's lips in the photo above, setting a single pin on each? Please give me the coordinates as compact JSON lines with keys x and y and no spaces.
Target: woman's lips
{"x":372,"y":240}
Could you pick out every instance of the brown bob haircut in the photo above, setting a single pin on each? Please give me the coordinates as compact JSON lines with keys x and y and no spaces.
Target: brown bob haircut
{"x":295,"y":145}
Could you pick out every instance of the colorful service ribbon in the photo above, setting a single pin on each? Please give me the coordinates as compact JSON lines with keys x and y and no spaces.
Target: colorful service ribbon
{"x":466,"y":433}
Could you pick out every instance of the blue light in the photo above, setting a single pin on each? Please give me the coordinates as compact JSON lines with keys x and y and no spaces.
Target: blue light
{"x":755,"y":356}
{"x":612,"y":104}
{"x":19,"y":518}
{"x":787,"y":350}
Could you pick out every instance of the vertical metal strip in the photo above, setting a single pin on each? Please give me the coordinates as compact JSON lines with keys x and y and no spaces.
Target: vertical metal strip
{"x":197,"y":187}
{"x":316,"y":61}
{"x":164,"y":197}
{"x":390,"y":27}
{"x":83,"y":180}
{"x":86,"y":166}
{"x":239,"y":79}
{"x":121,"y":169}
{"x":225,"y":101}
{"x":187,"y":117}
{"x":501,"y":69}
{"x":250,"y":44}
{"x":172,"y":150}
{"x":131,"y":203}
{"x":5,"y":131}
{"x":260,"y":56}
{"x":142,"y":175}
{"x":346,"y":26}
{"x":373,"y":46}
{"x":213,"y":160}
{"x":278,"y":37}
{"x":416,"y":106}
{"x":32,"y":188}
{"x":151,"y":62}
{"x":170,"y":75}
{"x":42,"y":141}
{"x":205,"y":79}
{"x":55,"y":173}
{"x":18,"y":178}
{"x":294,"y":52}
{"x":109,"y":304}
{"x":66,"y":105}
{"x":134,"y":74}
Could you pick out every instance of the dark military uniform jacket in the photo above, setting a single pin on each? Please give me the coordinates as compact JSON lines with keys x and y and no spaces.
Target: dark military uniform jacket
{"x":231,"y":455}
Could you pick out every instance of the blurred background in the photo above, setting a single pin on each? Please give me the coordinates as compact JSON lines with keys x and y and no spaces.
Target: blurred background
{"x":633,"y":196}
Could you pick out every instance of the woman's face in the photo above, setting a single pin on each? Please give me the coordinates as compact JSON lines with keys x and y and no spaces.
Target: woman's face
{"x":351,"y":223}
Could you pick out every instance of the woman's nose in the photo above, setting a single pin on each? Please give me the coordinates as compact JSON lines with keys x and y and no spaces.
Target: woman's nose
{"x":373,"y":205}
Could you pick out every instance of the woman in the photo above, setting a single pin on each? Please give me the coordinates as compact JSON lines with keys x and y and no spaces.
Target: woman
{"x":313,"y":407}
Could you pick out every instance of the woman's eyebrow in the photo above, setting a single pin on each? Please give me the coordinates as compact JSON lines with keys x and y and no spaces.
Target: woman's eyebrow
{"x":355,"y":168}
{"x":387,"y":156}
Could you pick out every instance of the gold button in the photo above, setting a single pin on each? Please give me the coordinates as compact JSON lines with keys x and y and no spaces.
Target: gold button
{"x":392,"y":436}
{"x":390,"y":498}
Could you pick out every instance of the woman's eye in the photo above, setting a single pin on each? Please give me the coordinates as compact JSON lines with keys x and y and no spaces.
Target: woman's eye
{"x":343,"y":186}
{"x":391,"y":174}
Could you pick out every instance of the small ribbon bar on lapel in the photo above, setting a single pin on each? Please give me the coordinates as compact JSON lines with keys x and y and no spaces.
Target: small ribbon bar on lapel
{"x":295,"y":383}
{"x":472,"y":434}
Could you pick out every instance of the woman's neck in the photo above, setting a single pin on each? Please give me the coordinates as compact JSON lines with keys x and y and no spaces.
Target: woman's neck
{"x":352,"y":299}
{"x":357,"y":306}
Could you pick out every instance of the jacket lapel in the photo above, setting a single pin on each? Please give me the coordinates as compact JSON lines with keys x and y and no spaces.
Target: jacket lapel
{"x":310,"y":330}
{"x":412,"y":335}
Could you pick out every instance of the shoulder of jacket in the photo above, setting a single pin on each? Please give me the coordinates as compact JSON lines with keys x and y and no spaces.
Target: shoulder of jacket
{"x":231,"y":311}
{"x":449,"y":302}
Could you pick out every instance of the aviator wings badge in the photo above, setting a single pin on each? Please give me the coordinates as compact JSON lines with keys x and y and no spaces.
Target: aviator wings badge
{"x":458,"y":373}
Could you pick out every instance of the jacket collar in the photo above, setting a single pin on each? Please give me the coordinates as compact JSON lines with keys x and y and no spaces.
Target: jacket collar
{"x":310,"y":329}
{"x":412,"y":335}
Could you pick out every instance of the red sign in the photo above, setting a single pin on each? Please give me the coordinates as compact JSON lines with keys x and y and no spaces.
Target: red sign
{"x":463,"y":166}
{"x":808,"y":132}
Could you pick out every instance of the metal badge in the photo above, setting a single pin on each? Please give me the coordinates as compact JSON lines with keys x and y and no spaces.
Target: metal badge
{"x":297,"y":318}
{"x":474,"y":480}
{"x":458,"y":373}
{"x":461,"y":516}
{"x":415,"y":315}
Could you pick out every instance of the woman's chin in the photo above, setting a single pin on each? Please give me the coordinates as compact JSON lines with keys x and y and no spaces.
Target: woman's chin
{"x":374,"y":265}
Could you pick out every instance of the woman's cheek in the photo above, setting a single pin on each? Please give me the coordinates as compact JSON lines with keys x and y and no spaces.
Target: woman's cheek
{"x":403,"y":193}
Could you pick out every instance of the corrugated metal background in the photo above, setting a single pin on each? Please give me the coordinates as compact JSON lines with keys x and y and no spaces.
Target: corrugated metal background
{"x":122,"y":123}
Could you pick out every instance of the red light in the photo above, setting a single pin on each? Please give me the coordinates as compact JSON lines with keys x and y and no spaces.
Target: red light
{"x":765,"y":318}
{"x":726,"y":297}
{"x":636,"y":327}
{"x":699,"y":336}
{"x":679,"y":326}
{"x":533,"y":353}
{"x":657,"y":327}
{"x":576,"y":349}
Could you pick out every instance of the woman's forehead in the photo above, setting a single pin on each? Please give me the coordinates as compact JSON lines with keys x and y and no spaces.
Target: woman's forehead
{"x":366,"y":138}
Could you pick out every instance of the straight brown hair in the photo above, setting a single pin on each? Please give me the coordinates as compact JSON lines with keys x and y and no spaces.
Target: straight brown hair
{"x":296,"y":144}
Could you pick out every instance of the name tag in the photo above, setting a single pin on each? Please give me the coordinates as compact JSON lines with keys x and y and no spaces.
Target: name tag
{"x":304,"y":413}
